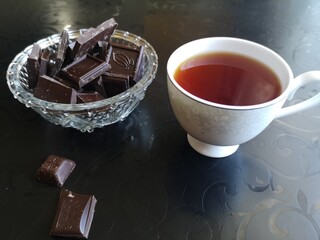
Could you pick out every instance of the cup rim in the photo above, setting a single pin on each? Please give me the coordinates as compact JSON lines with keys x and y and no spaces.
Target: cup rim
{"x":283,"y":94}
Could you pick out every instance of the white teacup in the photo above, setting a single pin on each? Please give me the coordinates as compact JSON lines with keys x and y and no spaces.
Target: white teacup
{"x":216,"y":130}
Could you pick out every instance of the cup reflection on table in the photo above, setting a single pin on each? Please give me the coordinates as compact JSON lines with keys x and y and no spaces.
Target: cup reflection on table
{"x":217,"y":120}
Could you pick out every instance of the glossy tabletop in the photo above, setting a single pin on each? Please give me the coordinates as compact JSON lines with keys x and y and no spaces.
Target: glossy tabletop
{"x":149,"y":183}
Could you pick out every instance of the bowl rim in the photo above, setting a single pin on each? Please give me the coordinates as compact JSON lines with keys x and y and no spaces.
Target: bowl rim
{"x":24,"y":96}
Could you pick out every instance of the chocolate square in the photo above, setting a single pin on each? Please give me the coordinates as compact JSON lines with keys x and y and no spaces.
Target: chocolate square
{"x":125,"y":59}
{"x":55,"y":170}
{"x":85,"y":69}
{"x":95,"y":86}
{"x":74,"y":215}
{"x":115,"y":83}
{"x":51,"y":90}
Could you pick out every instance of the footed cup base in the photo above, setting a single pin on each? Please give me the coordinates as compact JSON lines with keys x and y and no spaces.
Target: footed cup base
{"x":209,"y":150}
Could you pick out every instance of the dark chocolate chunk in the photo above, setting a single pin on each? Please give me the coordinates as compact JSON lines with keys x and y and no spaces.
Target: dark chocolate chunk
{"x":74,"y":215}
{"x":69,"y":84}
{"x":67,"y":58}
{"x":115,"y":83}
{"x":59,"y":56}
{"x":95,"y":86}
{"x":85,"y":69}
{"x":101,"y":50}
{"x":55,"y":170}
{"x":44,"y":62}
{"x":86,"y":97}
{"x":88,"y":39}
{"x":140,"y":71}
{"x":33,"y":65}
{"x":52,"y":90}
{"x":125,"y":59}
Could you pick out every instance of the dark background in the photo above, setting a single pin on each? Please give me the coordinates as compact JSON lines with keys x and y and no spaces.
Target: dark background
{"x":148,"y":181}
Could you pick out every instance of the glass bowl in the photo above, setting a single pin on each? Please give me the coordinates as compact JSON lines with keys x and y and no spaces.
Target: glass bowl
{"x":84,"y":116}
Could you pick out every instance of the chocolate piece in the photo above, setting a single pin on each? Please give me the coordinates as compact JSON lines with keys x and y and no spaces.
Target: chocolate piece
{"x":125,"y":59}
{"x":96,"y":86}
{"x":44,"y":62}
{"x":89,"y":97}
{"x":101,"y":50}
{"x":109,"y":52}
{"x":115,"y":83}
{"x":74,"y":215}
{"x":69,"y":84}
{"x":140,"y":71}
{"x":55,"y":170}
{"x":85,"y":69}
{"x":52,"y":90}
{"x":88,"y":39}
{"x":33,"y":65}
{"x":67,"y":59}
{"x":59,"y":56}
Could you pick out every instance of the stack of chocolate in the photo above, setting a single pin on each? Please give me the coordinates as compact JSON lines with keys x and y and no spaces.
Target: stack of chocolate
{"x":88,"y":69}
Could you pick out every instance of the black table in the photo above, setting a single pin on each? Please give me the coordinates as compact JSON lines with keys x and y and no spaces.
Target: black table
{"x":149,"y":183}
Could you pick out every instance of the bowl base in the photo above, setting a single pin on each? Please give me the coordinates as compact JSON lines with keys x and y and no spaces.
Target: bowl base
{"x":209,"y":150}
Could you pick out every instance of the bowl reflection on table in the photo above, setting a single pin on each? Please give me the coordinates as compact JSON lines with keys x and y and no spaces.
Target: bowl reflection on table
{"x":84,"y":116}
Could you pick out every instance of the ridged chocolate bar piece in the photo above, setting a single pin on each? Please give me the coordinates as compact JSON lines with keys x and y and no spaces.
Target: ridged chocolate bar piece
{"x":85,"y":69}
{"x":88,"y":39}
{"x":55,"y":170}
{"x":74,"y":215}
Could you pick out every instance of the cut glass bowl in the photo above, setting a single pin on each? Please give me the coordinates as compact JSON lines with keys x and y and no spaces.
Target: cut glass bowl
{"x":84,"y":116}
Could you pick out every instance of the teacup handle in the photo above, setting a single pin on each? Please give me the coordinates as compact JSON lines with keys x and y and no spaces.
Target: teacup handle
{"x":299,"y":81}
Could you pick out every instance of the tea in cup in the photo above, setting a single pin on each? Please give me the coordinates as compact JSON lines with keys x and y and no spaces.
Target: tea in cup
{"x":225,"y":91}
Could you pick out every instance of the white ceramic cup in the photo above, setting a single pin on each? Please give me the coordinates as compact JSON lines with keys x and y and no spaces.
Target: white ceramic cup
{"x":216,"y":130}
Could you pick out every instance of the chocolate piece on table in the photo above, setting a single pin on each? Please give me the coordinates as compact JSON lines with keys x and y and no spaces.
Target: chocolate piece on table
{"x":59,"y":56}
{"x":74,"y":215}
{"x":51,"y":90}
{"x":125,"y":59}
{"x":55,"y":170}
{"x":89,"y":38}
{"x":33,"y":65}
{"x":115,"y":83}
{"x":85,"y":69}
{"x":87,"y":97}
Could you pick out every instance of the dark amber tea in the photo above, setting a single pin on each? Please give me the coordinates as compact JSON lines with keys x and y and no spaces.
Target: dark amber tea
{"x":228,"y":78}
